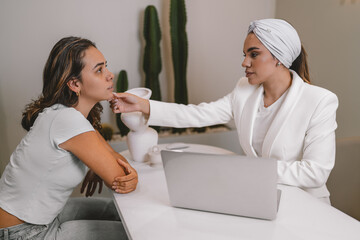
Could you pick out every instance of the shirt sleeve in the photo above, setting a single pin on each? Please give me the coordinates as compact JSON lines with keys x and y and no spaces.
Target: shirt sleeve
{"x":67,"y":124}
{"x":180,"y":115}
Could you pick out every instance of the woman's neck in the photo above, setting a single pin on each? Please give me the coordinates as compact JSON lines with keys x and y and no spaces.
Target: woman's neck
{"x":274,"y":89}
{"x":84,"y":107}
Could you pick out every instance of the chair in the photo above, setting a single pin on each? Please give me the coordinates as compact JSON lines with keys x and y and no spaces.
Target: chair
{"x":344,"y":180}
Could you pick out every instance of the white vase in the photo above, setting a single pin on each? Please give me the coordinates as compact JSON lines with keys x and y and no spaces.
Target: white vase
{"x":141,"y":137}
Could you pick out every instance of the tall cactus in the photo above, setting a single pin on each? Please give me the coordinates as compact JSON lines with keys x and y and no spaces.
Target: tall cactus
{"x":179,"y":46}
{"x":152,"y":55}
{"x":122,"y":85}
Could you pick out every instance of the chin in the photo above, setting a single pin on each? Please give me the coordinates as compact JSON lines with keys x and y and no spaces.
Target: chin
{"x":252,"y":81}
{"x":109,"y":97}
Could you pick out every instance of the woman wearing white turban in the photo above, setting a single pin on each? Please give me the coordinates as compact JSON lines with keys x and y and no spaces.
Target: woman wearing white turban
{"x":277,"y":112}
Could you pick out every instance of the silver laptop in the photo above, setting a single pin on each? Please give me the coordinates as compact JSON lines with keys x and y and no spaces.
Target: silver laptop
{"x":230,"y":184}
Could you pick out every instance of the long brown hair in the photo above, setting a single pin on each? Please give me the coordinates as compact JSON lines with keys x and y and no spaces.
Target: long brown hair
{"x":65,"y":63}
{"x":300,"y":66}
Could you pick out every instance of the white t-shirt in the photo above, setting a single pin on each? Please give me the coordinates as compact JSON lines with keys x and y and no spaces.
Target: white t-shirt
{"x":40,"y":176}
{"x":264,"y":118}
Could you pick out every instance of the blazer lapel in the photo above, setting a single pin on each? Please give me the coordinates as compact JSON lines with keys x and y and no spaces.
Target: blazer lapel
{"x":283,"y":114}
{"x":247,"y":121}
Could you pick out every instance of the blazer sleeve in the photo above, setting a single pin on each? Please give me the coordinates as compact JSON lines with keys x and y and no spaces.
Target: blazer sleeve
{"x":318,"y":156}
{"x":180,"y":116}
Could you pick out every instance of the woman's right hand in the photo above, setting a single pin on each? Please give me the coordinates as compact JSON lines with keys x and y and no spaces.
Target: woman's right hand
{"x":127,"y":102}
{"x":127,"y":183}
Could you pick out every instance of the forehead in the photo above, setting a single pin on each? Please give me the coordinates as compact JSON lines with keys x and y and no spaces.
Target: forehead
{"x":92,"y":57}
{"x":252,"y":41}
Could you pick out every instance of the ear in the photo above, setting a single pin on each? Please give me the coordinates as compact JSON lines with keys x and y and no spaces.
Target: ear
{"x":74,"y":85}
{"x":277,"y":62}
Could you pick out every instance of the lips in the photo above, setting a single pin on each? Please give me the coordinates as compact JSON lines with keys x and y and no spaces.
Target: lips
{"x":248,"y":74}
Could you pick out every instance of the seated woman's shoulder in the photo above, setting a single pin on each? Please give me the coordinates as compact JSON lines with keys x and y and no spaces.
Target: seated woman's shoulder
{"x":318,"y":94}
{"x":319,"y":91}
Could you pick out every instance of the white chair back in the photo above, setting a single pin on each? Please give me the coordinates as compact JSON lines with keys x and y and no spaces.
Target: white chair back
{"x":344,"y":180}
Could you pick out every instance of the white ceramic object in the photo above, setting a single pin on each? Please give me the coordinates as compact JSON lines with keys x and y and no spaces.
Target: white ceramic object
{"x":155,"y":152}
{"x":155,"y":156}
{"x":141,"y":137}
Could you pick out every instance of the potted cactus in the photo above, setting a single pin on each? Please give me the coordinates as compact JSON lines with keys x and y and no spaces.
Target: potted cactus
{"x":152,"y":55}
{"x":106,"y":131}
{"x":122,"y":86}
{"x":179,"y":48}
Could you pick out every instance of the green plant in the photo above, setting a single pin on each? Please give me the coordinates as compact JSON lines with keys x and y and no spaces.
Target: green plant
{"x":179,"y":47}
{"x":152,"y":56}
{"x":179,"y":50}
{"x":122,"y":85}
{"x":106,"y":131}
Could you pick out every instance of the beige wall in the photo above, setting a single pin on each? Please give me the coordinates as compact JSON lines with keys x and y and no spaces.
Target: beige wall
{"x":330,"y":32}
{"x":29,"y":29}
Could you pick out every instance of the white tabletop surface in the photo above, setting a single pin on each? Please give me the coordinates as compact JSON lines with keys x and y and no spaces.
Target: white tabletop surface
{"x":147,"y":214}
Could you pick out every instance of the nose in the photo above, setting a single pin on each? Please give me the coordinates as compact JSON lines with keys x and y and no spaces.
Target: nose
{"x":246,"y":63}
{"x":110,"y":76}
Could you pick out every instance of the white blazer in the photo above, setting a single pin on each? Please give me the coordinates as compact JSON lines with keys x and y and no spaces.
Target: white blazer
{"x":301,"y":136}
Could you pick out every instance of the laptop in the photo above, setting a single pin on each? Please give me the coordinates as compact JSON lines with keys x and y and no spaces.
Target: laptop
{"x":228,"y":184}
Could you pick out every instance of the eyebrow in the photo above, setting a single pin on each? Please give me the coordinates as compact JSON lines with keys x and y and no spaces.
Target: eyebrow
{"x":99,"y":64}
{"x":252,"y":48}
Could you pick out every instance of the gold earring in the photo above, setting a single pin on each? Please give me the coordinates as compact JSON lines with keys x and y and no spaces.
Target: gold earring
{"x":78,"y":94}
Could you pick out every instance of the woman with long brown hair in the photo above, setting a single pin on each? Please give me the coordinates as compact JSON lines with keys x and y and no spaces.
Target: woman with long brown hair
{"x":61,"y":144}
{"x":277,"y":112}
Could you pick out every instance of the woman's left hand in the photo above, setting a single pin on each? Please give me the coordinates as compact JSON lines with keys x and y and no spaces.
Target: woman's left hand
{"x":90,"y":183}
{"x":127,"y":183}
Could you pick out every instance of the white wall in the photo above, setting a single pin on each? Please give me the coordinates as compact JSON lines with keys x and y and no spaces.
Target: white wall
{"x":29,"y":29}
{"x":217,"y":30}
{"x":330,"y":32}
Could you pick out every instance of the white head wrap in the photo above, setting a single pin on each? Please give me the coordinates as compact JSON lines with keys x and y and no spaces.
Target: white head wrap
{"x":279,"y":37}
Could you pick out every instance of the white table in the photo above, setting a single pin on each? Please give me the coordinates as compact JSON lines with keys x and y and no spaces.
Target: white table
{"x":147,"y":214}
